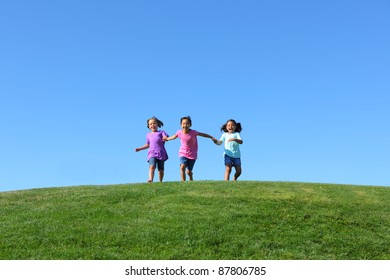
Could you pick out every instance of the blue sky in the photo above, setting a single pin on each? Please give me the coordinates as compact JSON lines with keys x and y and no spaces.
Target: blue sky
{"x":308,"y":80}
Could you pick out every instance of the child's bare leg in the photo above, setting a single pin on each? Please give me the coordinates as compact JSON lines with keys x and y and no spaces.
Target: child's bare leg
{"x":152,"y":168}
{"x":238,"y":173}
{"x":183,"y":172}
{"x":189,"y":173}
{"x":227,"y":172}
{"x":161,"y":175}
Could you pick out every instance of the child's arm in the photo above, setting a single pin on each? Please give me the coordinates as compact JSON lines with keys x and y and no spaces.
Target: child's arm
{"x":144,"y":147}
{"x":239,"y":141}
{"x":170,"y":138}
{"x":208,"y":136}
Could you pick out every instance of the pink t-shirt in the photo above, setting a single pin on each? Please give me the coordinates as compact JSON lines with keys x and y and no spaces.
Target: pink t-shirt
{"x":189,"y":144}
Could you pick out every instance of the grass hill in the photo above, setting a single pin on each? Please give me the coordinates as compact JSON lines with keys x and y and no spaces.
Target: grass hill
{"x":205,"y":220}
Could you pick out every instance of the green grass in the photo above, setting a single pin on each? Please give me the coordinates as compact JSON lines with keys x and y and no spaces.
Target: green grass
{"x":200,"y":220}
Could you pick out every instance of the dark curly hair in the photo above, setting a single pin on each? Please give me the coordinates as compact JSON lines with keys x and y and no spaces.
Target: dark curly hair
{"x":159,"y":123}
{"x":238,"y":126}
{"x":186,"y":118}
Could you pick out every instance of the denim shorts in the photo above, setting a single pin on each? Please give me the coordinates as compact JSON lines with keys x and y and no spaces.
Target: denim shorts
{"x":230,"y":161}
{"x":189,"y":163}
{"x":160,"y":163}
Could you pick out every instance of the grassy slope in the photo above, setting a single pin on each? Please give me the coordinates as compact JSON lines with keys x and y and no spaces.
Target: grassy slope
{"x":197,"y":220}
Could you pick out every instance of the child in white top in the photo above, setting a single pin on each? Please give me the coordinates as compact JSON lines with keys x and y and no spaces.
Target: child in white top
{"x":232,"y":139}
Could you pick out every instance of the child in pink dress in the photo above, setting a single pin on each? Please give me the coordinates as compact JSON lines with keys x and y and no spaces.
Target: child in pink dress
{"x":188,"y":152}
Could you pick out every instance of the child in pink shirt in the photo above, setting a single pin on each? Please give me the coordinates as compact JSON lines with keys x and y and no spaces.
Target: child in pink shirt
{"x":188,"y":152}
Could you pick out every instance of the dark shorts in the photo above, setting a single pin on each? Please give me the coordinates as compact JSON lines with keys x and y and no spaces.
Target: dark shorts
{"x":189,"y":163}
{"x":160,"y":163}
{"x":230,"y":161}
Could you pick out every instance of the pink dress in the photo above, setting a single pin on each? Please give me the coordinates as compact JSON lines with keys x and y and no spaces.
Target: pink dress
{"x":189,"y":144}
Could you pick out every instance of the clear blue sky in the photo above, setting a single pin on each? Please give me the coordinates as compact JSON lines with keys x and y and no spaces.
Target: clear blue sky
{"x":308,"y":80}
